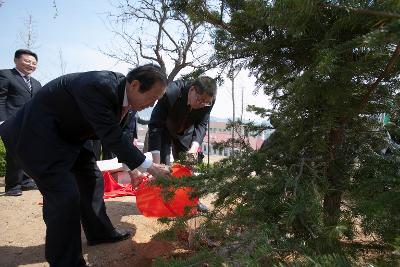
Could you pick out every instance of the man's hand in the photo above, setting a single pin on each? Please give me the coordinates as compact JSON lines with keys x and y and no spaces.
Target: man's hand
{"x":159,"y":170}
{"x":135,"y":176}
{"x":194,"y":148}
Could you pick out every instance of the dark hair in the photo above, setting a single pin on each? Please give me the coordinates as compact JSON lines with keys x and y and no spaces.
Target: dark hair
{"x":147,"y":75}
{"x":206,"y":85}
{"x":21,"y":52}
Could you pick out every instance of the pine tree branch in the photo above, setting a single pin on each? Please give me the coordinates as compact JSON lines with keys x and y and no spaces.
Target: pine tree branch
{"x":201,"y":12}
{"x":364,"y":11}
{"x":385,"y":73}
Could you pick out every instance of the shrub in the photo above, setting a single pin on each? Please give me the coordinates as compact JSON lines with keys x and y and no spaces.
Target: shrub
{"x":2,"y":159}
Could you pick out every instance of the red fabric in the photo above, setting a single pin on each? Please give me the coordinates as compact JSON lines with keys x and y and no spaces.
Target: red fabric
{"x":149,"y":200}
{"x":150,"y":203}
{"x":113,"y":189}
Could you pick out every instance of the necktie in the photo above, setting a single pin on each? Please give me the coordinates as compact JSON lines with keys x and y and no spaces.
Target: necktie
{"x":27,"y":79}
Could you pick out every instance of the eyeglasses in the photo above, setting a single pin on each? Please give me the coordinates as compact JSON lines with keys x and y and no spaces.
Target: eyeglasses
{"x":199,"y":99}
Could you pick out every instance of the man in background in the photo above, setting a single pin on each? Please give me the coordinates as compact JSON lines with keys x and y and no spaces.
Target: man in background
{"x":179,"y":119}
{"x":16,"y":88}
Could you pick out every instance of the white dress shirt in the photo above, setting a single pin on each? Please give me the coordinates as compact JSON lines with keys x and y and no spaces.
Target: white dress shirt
{"x":147,"y":162}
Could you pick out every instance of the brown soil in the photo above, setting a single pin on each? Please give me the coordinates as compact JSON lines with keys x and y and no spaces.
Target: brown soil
{"x":22,"y":234}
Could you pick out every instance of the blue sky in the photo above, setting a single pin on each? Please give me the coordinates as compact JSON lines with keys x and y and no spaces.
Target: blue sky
{"x":78,"y":31}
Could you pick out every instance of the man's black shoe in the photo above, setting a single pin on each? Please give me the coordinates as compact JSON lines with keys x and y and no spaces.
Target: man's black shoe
{"x":29,"y":186}
{"x":202,"y":208}
{"x":15,"y":192}
{"x":116,"y":236}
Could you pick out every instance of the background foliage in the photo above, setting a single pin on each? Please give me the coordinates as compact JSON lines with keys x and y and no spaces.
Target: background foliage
{"x":2,"y":159}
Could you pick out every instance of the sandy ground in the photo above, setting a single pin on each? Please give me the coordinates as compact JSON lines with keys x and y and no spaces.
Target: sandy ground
{"x":22,"y":234}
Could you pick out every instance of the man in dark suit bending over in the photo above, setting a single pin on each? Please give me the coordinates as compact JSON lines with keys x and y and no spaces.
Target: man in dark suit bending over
{"x":48,"y":136}
{"x":16,"y":88}
{"x":179,"y":120}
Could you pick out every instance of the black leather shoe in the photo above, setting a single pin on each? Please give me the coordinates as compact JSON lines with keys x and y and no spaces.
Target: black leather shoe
{"x":29,"y":186}
{"x":15,"y":192}
{"x":116,"y":236}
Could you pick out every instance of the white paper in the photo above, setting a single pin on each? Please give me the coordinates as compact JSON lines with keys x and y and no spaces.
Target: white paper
{"x":111,"y":165}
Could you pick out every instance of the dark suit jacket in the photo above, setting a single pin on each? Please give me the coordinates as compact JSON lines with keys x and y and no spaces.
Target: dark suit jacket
{"x":49,"y":131}
{"x":130,"y":125}
{"x":14,"y":92}
{"x":172,"y":114}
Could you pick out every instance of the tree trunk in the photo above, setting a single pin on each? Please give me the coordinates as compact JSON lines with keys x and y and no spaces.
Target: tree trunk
{"x":336,"y":177}
{"x":233,"y":112}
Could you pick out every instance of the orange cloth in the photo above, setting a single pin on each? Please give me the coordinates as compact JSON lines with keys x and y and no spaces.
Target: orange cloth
{"x":150,"y":203}
{"x":149,"y":200}
{"x":113,"y":189}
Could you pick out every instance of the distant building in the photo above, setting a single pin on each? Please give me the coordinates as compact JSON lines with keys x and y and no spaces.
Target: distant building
{"x":219,"y":133}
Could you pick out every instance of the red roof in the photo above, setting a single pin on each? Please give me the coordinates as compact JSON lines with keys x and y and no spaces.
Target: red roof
{"x":217,"y":124}
{"x":255,"y":142}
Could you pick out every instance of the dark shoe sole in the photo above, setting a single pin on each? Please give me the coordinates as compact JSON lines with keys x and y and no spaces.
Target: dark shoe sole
{"x":14,"y":194}
{"x":104,"y":241}
{"x":27,"y":188}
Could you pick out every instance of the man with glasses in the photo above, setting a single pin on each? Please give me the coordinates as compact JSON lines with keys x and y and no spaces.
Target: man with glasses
{"x":179,"y":119}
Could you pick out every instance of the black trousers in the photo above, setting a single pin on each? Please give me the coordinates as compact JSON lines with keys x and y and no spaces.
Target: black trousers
{"x":14,"y":174}
{"x":168,"y":143}
{"x":69,"y":197}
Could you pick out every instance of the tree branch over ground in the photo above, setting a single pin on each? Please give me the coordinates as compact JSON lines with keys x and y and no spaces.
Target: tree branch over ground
{"x":364,"y":11}
{"x":374,"y":86}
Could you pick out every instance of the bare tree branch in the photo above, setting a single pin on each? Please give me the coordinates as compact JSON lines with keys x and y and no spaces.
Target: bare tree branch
{"x":151,"y":30}
{"x":56,"y":9}
{"x":63,"y":64}
{"x":28,"y":35}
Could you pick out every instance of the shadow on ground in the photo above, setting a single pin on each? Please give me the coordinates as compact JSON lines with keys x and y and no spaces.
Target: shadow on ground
{"x":124,"y":253}
{"x":121,"y":254}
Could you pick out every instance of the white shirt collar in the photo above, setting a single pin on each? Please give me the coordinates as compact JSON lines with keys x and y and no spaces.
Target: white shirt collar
{"x":20,"y":73}
{"x":125,"y":102}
